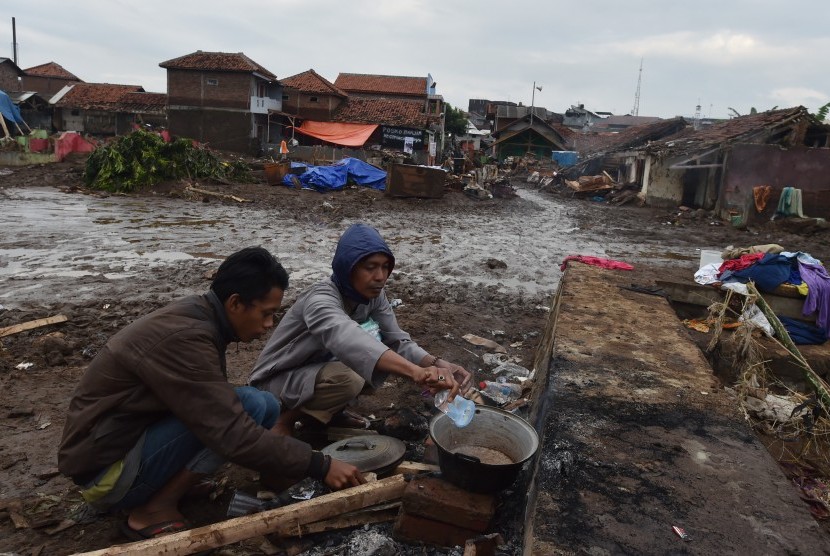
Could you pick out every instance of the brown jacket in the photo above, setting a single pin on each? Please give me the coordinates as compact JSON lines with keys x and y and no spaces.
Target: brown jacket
{"x":170,"y":361}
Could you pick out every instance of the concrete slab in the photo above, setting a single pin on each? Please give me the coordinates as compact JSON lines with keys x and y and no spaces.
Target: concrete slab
{"x":638,"y":437}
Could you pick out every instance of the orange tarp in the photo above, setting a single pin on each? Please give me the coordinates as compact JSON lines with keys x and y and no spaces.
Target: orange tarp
{"x":348,"y":135}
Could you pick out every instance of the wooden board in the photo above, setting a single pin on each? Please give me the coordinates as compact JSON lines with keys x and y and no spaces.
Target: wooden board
{"x":14,"y":329}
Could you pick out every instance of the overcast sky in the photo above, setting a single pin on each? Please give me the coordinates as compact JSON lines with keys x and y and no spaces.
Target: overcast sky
{"x":720,"y":54}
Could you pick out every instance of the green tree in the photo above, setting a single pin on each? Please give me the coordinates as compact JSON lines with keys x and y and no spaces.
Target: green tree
{"x":821,"y":113}
{"x":455,"y":120}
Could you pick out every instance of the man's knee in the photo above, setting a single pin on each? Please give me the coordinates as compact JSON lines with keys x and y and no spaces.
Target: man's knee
{"x":261,"y":405}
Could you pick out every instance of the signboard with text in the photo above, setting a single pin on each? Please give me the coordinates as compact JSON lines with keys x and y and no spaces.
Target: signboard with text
{"x":399,"y":137}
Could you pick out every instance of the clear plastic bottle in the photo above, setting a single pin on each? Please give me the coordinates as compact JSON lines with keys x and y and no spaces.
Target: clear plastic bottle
{"x":500,"y":392}
{"x":460,"y":410}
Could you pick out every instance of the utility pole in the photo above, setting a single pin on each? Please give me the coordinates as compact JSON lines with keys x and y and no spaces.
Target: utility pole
{"x":14,"y":41}
{"x":636,"y":110}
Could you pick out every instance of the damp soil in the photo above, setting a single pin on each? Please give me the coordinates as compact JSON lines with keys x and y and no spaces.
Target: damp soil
{"x":464,"y":266}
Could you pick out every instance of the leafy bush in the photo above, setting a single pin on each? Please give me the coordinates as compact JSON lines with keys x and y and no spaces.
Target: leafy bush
{"x":143,"y":158}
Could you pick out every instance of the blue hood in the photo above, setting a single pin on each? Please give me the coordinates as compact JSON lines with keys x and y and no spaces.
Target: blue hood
{"x":356,"y":243}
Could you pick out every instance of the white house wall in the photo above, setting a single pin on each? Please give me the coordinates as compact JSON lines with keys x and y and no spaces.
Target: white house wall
{"x":665,"y":186}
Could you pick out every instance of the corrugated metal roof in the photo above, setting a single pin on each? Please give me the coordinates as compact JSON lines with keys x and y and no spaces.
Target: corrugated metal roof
{"x":312,"y":82}
{"x":387,"y":111}
{"x":217,"y":61}
{"x":379,"y":84}
{"x":95,"y":96}
{"x":51,"y":69}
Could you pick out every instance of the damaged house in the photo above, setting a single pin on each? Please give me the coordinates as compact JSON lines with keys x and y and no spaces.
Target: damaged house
{"x":721,"y":166}
{"x":222,"y":99}
{"x":47,"y":79}
{"x":105,"y":109}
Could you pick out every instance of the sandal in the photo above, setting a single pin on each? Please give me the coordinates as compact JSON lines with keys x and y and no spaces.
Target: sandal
{"x":152,"y":531}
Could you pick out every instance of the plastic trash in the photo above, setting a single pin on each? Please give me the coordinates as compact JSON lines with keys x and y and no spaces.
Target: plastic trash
{"x":500,"y":392}
{"x":511,"y":370}
{"x":460,"y":410}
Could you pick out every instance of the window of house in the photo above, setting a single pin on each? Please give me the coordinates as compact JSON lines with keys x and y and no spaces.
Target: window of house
{"x":211,"y":81}
{"x":312,"y":99}
{"x":76,"y":112}
{"x":284,"y":97}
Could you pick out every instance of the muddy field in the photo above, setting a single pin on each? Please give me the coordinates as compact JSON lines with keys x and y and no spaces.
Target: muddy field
{"x":487,"y":268}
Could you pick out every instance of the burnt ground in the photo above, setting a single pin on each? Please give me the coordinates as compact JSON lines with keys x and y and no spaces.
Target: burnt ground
{"x":436,"y":313}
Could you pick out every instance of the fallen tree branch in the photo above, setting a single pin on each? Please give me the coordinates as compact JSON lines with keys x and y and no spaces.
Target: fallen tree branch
{"x":192,"y":189}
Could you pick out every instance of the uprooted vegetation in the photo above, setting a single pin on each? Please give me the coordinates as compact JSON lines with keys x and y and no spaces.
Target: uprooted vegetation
{"x":142,"y":158}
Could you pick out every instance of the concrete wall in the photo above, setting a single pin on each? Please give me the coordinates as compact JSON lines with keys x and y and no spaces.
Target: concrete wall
{"x":754,"y":165}
{"x":663,"y":187}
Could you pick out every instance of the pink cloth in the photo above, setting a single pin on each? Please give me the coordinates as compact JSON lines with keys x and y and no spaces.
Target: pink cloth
{"x":38,"y":145}
{"x":596,"y":261}
{"x":742,"y":262}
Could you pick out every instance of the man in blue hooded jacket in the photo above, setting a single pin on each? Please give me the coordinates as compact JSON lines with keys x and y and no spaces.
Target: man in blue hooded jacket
{"x":341,"y":336}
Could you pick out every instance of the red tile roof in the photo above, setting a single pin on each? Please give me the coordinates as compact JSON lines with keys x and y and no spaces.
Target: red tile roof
{"x":396,"y":112}
{"x":217,"y":61}
{"x":380,"y":84}
{"x":144,"y":102}
{"x":51,"y":69}
{"x":312,"y":82}
{"x":96,"y":96}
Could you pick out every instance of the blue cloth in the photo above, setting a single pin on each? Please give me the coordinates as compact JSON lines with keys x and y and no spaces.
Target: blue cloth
{"x":169,"y":447}
{"x":818,"y":293}
{"x":9,"y":110}
{"x":768,"y":273}
{"x":336,"y":176}
{"x":357,"y":242}
{"x":802,"y":332}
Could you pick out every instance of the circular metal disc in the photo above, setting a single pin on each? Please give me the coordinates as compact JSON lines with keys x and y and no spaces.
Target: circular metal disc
{"x":369,"y":452}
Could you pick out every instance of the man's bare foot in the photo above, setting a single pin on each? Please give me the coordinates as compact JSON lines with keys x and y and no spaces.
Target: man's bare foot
{"x":140,"y":519}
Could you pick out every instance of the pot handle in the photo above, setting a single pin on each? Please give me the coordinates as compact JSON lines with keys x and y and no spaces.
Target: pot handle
{"x":365,"y":444}
{"x":466,"y":457}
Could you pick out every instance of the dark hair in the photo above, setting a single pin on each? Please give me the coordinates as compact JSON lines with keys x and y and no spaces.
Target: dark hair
{"x":251,"y":272}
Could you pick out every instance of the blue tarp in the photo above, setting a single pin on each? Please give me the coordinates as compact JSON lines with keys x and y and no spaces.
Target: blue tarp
{"x":9,"y":109}
{"x":336,"y":176}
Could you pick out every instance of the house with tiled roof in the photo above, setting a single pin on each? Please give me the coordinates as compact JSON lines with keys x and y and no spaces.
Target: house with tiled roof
{"x":223,"y":99}
{"x":368,"y":92}
{"x":309,"y":95}
{"x":10,"y":75}
{"x":47,"y":79}
{"x":105,"y":108}
{"x":523,"y":129}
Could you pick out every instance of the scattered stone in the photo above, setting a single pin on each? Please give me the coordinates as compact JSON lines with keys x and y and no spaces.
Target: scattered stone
{"x":21,"y":412}
{"x":495,"y":263}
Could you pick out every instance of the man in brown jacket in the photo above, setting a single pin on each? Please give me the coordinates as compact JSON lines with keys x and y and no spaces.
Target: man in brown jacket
{"x":154,"y":413}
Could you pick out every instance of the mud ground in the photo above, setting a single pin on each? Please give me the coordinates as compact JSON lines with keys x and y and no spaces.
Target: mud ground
{"x":488,"y":268}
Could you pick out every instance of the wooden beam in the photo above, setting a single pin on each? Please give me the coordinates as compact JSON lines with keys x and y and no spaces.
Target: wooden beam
{"x":278,"y":520}
{"x":374,"y":514}
{"x":412,"y":467}
{"x":214,"y":194}
{"x":23,"y":326}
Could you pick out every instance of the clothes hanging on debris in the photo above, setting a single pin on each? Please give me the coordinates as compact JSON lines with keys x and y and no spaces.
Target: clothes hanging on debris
{"x":803,"y":333}
{"x":735,"y":252}
{"x":742,"y":262}
{"x":768,"y":273}
{"x":818,"y":295}
{"x":789,"y":204}
{"x":761,"y":193}
{"x":595,"y":261}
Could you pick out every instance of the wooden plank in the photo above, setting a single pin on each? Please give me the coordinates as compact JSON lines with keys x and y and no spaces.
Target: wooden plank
{"x":413,"y":467}
{"x":441,"y":501}
{"x":375,"y":514}
{"x":32,"y":324}
{"x":278,"y":520}
{"x":696,"y":294}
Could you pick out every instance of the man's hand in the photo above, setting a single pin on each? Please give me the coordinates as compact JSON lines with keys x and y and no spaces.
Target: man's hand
{"x":461,"y":375}
{"x":342,"y":475}
{"x":437,"y":378}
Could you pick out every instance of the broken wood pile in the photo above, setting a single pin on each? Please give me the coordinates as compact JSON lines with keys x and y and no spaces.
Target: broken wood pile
{"x":426,"y":509}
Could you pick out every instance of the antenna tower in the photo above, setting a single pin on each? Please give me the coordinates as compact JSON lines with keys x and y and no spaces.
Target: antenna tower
{"x":636,"y":110}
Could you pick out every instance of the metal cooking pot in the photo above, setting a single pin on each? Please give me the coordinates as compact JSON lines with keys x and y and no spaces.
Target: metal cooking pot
{"x":486,"y":455}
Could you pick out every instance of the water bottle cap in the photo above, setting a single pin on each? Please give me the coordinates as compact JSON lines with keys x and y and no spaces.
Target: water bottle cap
{"x":482,"y":385}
